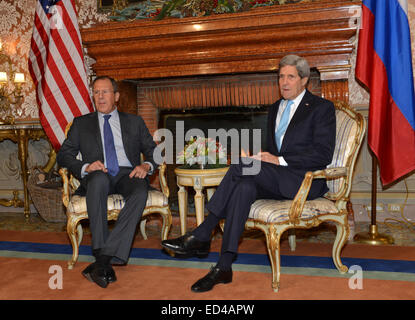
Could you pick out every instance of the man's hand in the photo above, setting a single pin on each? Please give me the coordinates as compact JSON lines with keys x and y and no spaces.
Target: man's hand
{"x":262,"y":156}
{"x":94,"y":166}
{"x":266,"y":157}
{"x":140,"y":171}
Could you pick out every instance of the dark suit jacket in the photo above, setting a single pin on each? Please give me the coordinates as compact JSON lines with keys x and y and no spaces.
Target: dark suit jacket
{"x":84,"y":136}
{"x":308,"y":143}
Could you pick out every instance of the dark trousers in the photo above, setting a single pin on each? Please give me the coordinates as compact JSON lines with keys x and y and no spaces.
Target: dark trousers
{"x":116,"y":243}
{"x":235,"y":195}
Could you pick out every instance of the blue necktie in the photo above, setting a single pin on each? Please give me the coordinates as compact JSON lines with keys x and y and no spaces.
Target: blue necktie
{"x":110,"y":153}
{"x":282,"y":126}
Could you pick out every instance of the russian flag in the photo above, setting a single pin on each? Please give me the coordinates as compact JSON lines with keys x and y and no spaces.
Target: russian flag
{"x":384,"y":66}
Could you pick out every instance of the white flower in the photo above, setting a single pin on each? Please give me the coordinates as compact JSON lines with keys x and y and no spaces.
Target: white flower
{"x":202,"y":150}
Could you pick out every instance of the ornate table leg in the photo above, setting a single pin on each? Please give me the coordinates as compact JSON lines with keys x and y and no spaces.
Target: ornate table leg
{"x":199,"y":201}
{"x":22,"y":147}
{"x":182,"y":197}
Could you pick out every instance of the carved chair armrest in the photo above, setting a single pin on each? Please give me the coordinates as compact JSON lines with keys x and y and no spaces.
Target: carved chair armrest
{"x":163,"y":180}
{"x":331,"y":173}
{"x":66,"y":194}
{"x":300,"y":198}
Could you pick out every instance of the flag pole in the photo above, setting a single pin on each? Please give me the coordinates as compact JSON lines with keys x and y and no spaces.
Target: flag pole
{"x":373,"y":237}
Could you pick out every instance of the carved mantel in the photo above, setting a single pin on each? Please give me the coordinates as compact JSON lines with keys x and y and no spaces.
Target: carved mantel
{"x":248,"y":42}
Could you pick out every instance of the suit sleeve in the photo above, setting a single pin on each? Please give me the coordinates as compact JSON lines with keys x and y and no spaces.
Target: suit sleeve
{"x":69,"y":150}
{"x":147,"y":144}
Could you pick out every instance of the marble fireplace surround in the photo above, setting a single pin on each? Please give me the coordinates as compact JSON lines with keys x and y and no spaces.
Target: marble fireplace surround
{"x":195,"y":62}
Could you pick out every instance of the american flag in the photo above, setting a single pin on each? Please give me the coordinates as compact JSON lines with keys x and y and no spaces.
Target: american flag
{"x":57,"y":67}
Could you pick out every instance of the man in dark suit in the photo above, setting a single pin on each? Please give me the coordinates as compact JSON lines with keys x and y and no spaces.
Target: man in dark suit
{"x":110,"y":143}
{"x":301,"y":135}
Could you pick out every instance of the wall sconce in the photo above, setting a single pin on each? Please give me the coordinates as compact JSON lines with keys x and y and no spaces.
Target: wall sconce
{"x":9,"y":96}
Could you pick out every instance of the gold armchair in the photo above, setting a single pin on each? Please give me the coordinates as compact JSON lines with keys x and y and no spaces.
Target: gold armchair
{"x":274,"y":217}
{"x":157,"y":202}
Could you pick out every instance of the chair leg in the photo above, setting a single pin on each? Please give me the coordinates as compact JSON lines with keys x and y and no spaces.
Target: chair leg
{"x":341,"y":239}
{"x":74,"y":230}
{"x":143,"y":228}
{"x":167,"y":221}
{"x":273,"y":244}
{"x":291,"y":239}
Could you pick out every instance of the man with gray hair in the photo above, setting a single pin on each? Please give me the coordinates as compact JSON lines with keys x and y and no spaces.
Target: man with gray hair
{"x":110,"y":142}
{"x":301,"y":132}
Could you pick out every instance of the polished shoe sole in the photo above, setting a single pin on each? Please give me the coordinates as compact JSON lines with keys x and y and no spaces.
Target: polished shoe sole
{"x":185,"y":255}
{"x":208,"y":289}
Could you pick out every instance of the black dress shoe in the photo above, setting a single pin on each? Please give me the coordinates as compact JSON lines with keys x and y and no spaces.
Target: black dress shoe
{"x":109,"y":273}
{"x":214,"y":277}
{"x":187,"y":246}
{"x":98,"y":274}
{"x":87,"y":272}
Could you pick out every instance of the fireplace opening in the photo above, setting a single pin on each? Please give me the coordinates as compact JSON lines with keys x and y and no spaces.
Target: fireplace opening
{"x":229,"y":119}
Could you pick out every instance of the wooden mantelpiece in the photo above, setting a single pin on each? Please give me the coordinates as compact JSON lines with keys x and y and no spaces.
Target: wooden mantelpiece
{"x":247,"y":42}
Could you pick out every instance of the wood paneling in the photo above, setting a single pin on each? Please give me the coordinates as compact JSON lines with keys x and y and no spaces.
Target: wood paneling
{"x":252,"y":41}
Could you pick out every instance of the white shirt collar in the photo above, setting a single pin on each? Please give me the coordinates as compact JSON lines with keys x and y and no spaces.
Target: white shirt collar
{"x":298,"y":99}
{"x":114,"y":114}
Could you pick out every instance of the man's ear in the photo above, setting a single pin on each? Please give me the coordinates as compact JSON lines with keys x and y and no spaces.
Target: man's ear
{"x":304,"y":81}
{"x":117,"y":96}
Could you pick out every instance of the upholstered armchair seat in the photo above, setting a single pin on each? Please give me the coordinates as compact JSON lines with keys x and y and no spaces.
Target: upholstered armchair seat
{"x":276,"y":211}
{"x":77,"y":205}
{"x":76,"y":210}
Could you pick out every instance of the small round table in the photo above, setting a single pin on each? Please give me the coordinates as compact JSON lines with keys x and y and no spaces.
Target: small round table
{"x":198,"y":179}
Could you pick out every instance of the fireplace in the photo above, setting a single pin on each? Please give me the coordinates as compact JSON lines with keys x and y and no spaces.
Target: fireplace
{"x":211,"y":102}
{"x":229,"y":61}
{"x":229,"y":122}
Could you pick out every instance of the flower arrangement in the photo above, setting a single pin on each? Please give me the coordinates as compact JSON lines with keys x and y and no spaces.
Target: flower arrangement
{"x":159,"y":9}
{"x":203,"y":152}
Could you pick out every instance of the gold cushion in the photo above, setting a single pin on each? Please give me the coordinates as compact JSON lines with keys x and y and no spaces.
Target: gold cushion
{"x":116,"y":201}
{"x":276,"y":211}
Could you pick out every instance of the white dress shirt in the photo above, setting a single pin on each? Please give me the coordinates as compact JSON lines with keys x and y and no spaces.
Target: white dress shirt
{"x":115,"y":125}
